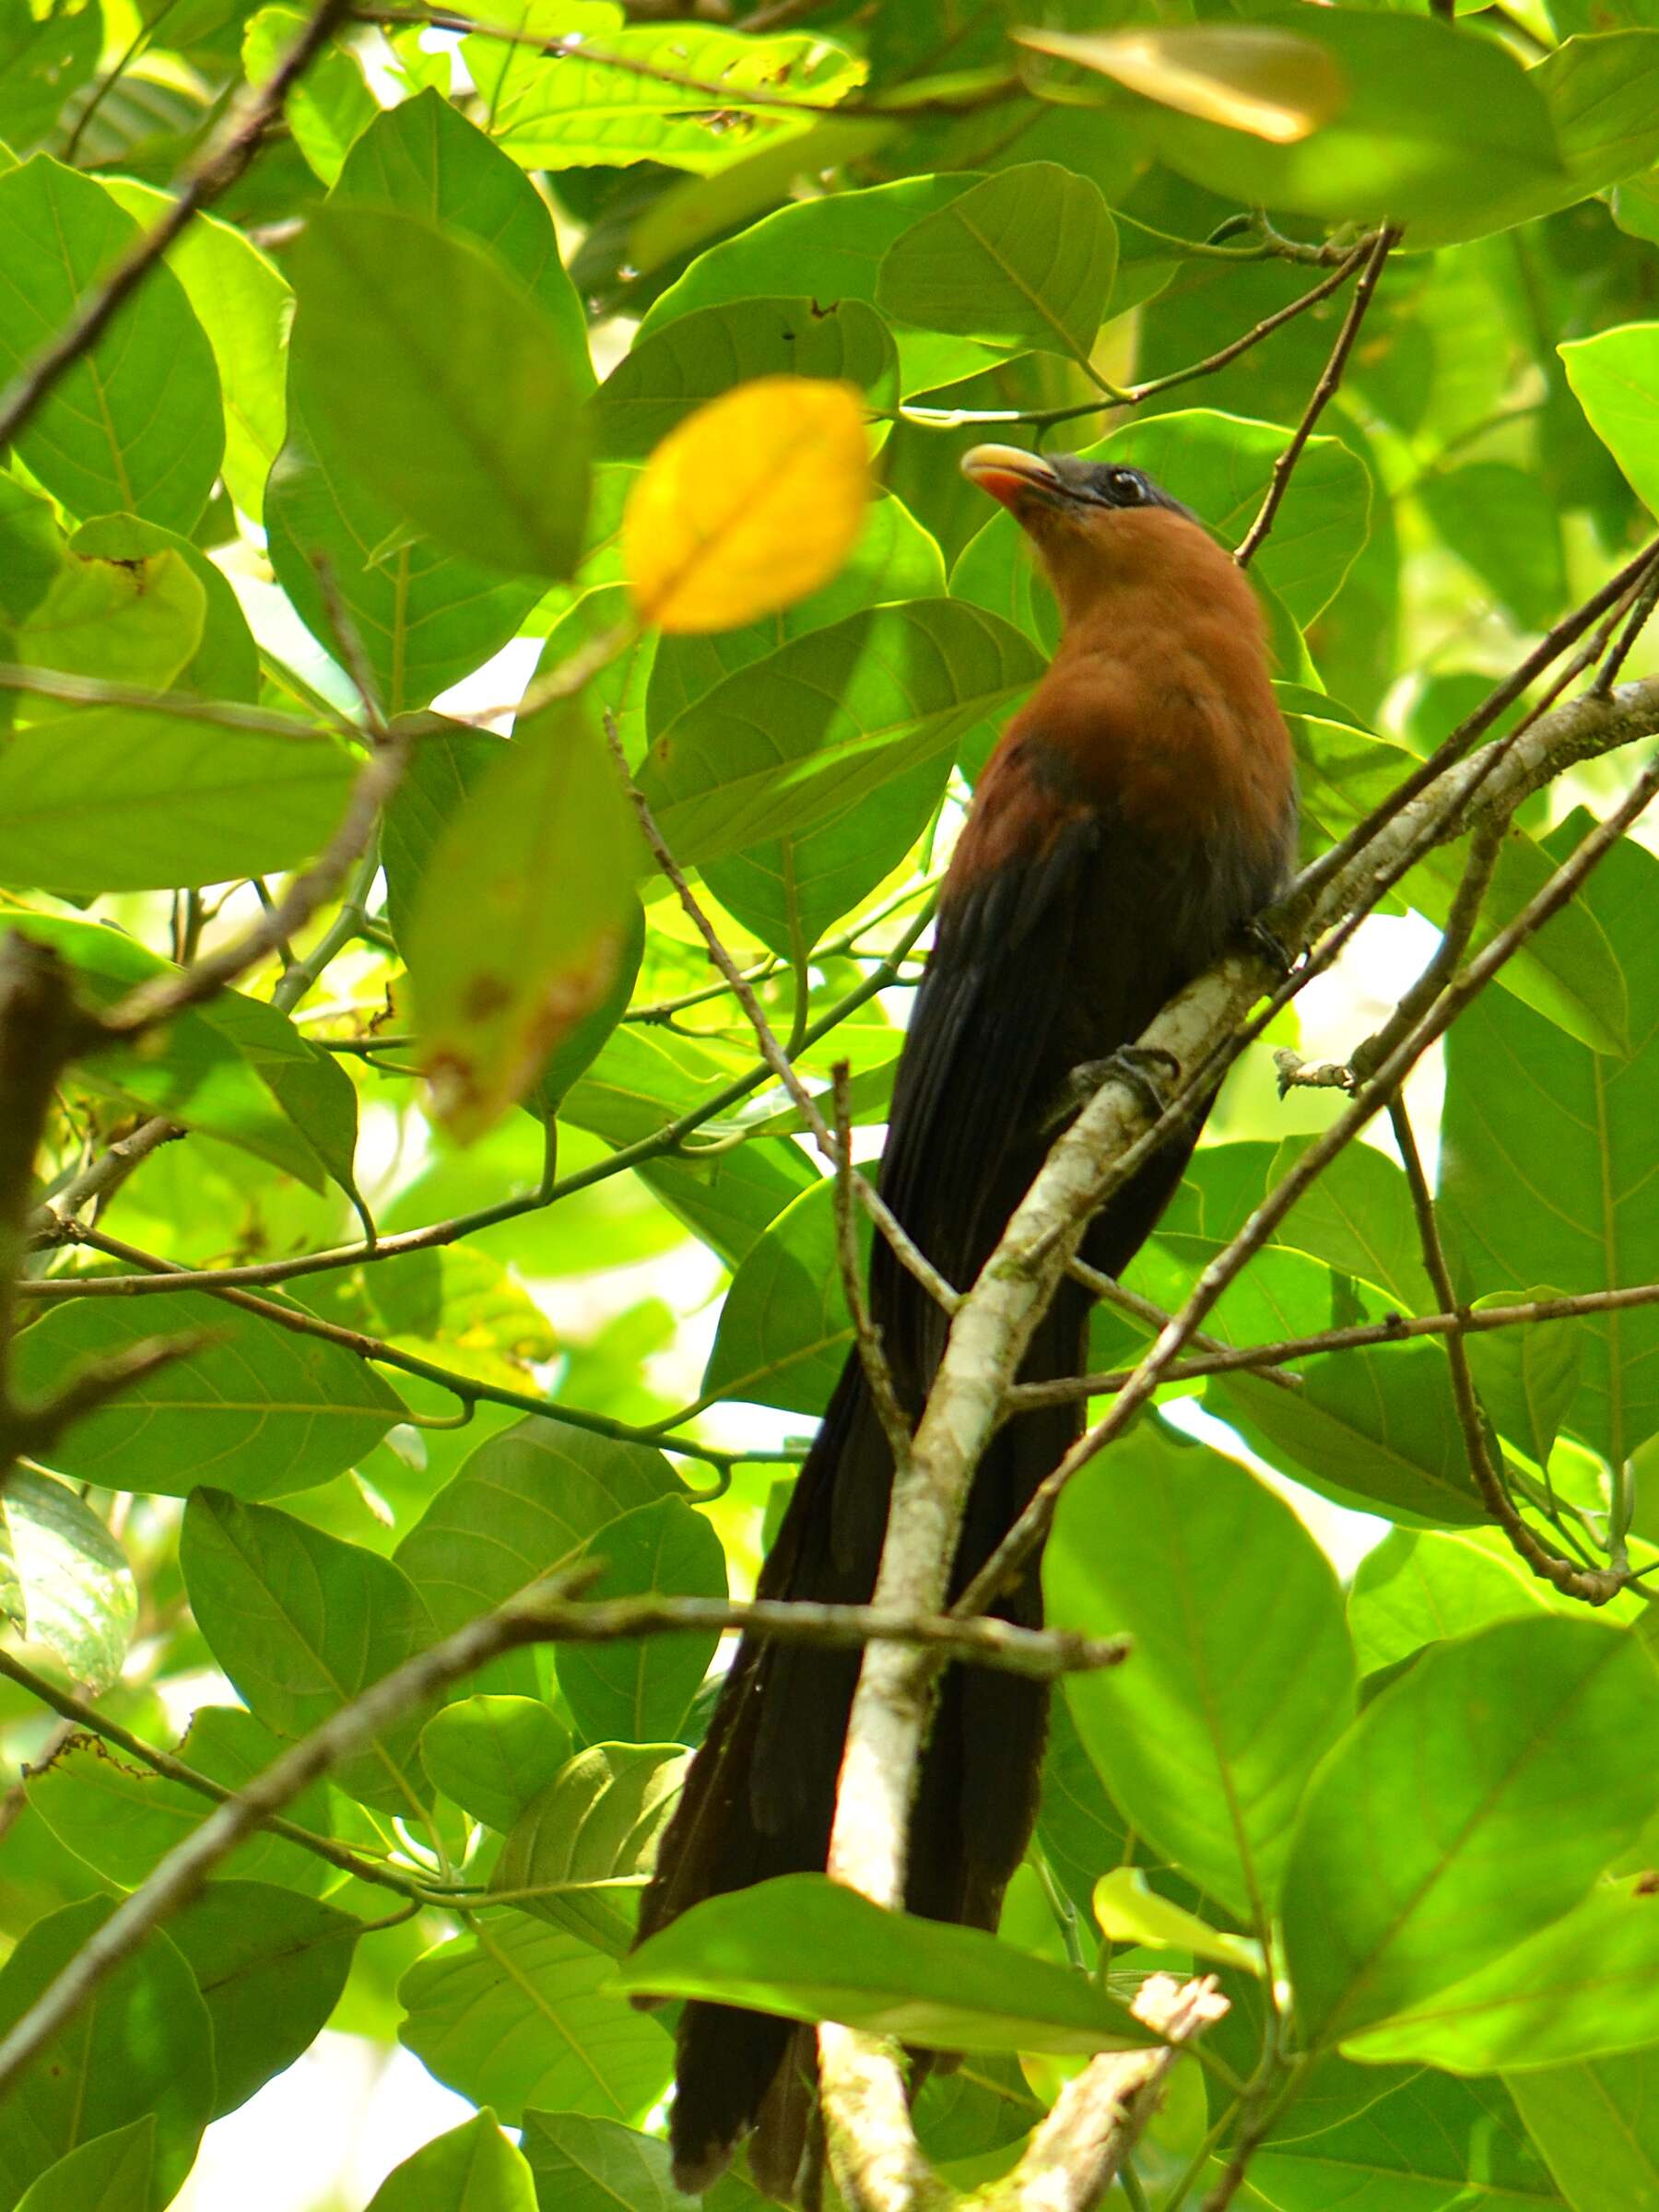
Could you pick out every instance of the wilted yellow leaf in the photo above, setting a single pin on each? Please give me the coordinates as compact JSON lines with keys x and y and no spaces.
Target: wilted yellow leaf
{"x":1250,"y":76}
{"x":521,"y":918}
{"x":751,"y":503}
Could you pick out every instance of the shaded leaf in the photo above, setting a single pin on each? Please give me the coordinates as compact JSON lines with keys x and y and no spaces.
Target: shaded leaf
{"x":252,"y":1407}
{"x":804,"y":1947}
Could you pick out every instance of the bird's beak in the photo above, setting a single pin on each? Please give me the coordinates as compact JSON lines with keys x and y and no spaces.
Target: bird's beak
{"x":1011,"y":476}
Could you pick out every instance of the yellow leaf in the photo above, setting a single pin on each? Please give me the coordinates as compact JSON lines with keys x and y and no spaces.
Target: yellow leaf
{"x":1250,"y":76}
{"x":751,"y":503}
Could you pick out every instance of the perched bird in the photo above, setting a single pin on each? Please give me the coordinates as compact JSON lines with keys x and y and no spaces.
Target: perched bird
{"x":1137,"y":811}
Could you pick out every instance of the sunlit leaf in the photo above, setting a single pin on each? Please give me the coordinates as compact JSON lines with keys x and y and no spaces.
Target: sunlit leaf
{"x":748,"y":505}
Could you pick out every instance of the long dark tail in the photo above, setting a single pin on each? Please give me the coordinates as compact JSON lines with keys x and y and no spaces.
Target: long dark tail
{"x":759,"y":1796}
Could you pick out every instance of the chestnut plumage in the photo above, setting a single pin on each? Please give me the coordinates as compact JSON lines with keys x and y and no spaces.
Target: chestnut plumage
{"x":1136,"y":811}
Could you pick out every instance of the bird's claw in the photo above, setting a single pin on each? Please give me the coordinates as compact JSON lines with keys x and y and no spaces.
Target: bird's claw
{"x":1260,"y":937}
{"x":1146,"y":1069}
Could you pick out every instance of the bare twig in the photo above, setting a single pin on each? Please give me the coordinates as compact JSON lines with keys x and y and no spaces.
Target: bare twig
{"x":1596,"y":1586}
{"x":1078,"y":2152}
{"x":1324,"y":392}
{"x":1151,"y":1316}
{"x":214,"y":169}
{"x":1396,"y":1329}
{"x":1646,"y":599}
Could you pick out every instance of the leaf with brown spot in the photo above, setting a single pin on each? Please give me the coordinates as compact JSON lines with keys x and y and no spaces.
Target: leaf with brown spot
{"x":522,"y":917}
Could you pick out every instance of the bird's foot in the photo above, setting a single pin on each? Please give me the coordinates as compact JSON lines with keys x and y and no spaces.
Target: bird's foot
{"x":1148,"y":1070}
{"x":1258,"y":936}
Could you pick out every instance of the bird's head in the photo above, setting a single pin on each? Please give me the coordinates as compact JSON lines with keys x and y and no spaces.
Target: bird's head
{"x":1094,"y":523}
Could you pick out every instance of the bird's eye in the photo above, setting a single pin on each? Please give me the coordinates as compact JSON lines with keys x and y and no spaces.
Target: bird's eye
{"x":1127,"y":488}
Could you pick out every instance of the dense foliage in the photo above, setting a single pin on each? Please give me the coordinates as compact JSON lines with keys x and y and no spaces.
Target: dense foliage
{"x":513,"y":1253}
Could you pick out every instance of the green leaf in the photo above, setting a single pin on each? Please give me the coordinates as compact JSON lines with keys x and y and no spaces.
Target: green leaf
{"x":595,"y":2166}
{"x":1220,"y":465}
{"x":121,"y":1819}
{"x":426,"y":158}
{"x":524,"y":1505}
{"x":109,"y":800}
{"x":253,"y":1408}
{"x":469,"y":429}
{"x":1503,"y":1750}
{"x":31,"y":548}
{"x":1616,"y":378}
{"x":1528,"y":1376}
{"x":1358,"y":1219}
{"x":565,"y":111}
{"x":1206,"y":1738}
{"x":43,"y":60}
{"x":1501,"y":520}
{"x":330,"y":104}
{"x":203,"y":1081}
{"x":784,"y":1329}
{"x":1129,"y":1910}
{"x":1546,"y":1153}
{"x":1597,"y":2123}
{"x":128,"y":622}
{"x":638,"y":1689}
{"x":504,"y":970}
{"x":141,"y":2043}
{"x":472,"y":2169}
{"x":110,"y":2174}
{"x":243,"y":303}
{"x":792,"y":741}
{"x":135,"y":425}
{"x":301,"y":1622}
{"x":311,"y":1087}
{"x":225,"y":664}
{"x":522,"y":2014}
{"x":64,"y":1581}
{"x":1326,"y":114}
{"x":587,"y":1839}
{"x":1023,"y":258}
{"x":1426,"y":2144}
{"x":426,"y":618}
{"x":698,"y":356}
{"x":493,"y":1755}
{"x":1417,"y":1587}
{"x":1586,"y":1984}
{"x":842,"y":239}
{"x":804,"y":1947}
{"x":270,"y":1966}
{"x":1375,"y":1427}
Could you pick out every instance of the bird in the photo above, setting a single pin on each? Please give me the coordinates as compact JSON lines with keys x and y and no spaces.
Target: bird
{"x":1137,"y":814}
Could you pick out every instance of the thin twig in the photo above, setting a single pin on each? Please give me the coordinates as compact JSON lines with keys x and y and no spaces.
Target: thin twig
{"x":1152,"y":1317}
{"x":1323,"y":393}
{"x":1646,"y":599}
{"x":878,"y":1375}
{"x":1398,"y":1328}
{"x":214,"y":169}
{"x":1131,"y":395}
{"x":1596,"y":1586}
